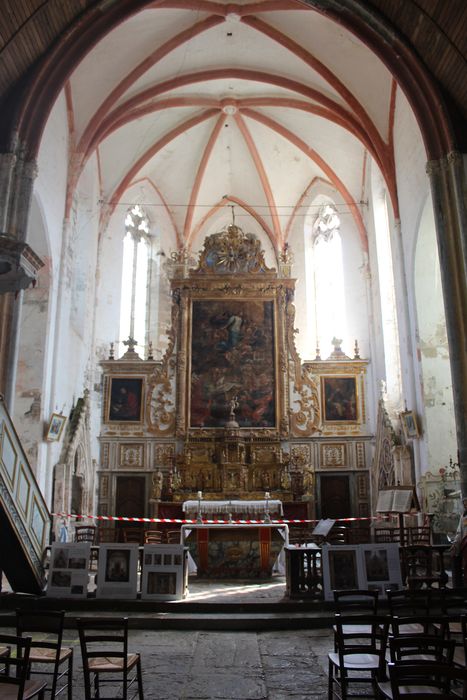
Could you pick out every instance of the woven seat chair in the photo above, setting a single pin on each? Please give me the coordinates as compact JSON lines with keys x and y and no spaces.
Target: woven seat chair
{"x":360,"y":656}
{"x":47,"y":655}
{"x":106,"y":659}
{"x":19,"y":686}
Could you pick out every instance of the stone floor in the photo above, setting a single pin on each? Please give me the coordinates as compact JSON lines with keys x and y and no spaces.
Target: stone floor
{"x":195,"y":665}
{"x":221,"y":665}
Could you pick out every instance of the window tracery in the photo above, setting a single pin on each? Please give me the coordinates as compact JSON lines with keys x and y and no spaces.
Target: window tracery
{"x":135,"y":272}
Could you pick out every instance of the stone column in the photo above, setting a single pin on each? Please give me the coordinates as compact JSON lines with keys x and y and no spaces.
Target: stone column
{"x":448,"y":182}
{"x":17,"y":177}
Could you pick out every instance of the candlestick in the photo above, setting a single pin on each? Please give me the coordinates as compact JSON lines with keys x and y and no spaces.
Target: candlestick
{"x":199,"y":517}
{"x":267,"y":517}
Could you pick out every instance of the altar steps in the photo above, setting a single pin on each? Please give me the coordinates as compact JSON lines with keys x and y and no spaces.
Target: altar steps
{"x":181,"y":615}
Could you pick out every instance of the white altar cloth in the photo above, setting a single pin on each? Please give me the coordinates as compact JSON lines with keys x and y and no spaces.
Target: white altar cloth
{"x":254,"y":509}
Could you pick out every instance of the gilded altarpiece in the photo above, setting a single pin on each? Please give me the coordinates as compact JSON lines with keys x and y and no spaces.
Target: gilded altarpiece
{"x":231,"y":410}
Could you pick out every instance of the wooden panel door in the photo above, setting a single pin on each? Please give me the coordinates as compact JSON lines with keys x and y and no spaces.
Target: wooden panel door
{"x":130,"y":499}
{"x":335,"y":501}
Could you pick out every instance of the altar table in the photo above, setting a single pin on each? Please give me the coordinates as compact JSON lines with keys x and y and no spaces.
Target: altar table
{"x":235,"y":551}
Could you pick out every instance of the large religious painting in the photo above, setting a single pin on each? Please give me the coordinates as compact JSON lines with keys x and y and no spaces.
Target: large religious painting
{"x":339,"y":396}
{"x":125,"y":399}
{"x":232,"y":364}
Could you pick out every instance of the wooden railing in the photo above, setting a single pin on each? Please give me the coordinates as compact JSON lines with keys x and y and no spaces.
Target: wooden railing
{"x":25,"y":520}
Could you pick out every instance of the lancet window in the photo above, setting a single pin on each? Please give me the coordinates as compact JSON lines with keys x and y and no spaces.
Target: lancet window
{"x":328,"y":276}
{"x":135,"y":272}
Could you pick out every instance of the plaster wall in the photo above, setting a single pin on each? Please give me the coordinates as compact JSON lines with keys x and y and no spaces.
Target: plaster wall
{"x":34,"y":401}
{"x":425,"y":380}
{"x":433,"y":348}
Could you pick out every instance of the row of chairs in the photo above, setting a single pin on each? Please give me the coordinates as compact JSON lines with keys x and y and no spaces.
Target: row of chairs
{"x":340,"y":534}
{"x":40,"y":652}
{"x":420,"y":664}
{"x":95,"y":535}
{"x":422,"y":629}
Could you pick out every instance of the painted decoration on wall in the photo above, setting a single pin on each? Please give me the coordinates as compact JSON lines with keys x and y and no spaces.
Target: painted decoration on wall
{"x":125,"y":399}
{"x":233,"y":364}
{"x":55,"y":429}
{"x":339,"y":397}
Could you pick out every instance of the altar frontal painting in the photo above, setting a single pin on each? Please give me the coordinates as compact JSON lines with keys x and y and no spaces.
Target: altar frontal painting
{"x":232,"y":364}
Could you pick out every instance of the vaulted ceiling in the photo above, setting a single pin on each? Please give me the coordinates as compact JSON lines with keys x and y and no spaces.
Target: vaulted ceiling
{"x":211,"y":104}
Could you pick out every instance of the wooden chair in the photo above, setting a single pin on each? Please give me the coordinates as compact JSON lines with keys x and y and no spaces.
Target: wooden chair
{"x":418,"y":682}
{"x":5,"y":653}
{"x":418,"y":535}
{"x":460,"y":655}
{"x":426,"y":648}
{"x":173,"y":536}
{"x":420,"y":650}
{"x":132,"y":534}
{"x":359,"y":535}
{"x":423,"y":565}
{"x":355,"y":602}
{"x":386,"y":535}
{"x":19,"y":687}
{"x":361,"y":601}
{"x":152,"y":536}
{"x":425,"y":625}
{"x":106,"y":659}
{"x":408,"y":602}
{"x":47,"y":655}
{"x":85,"y":533}
{"x":357,"y":653}
{"x":337,"y":535}
{"x":106,"y":534}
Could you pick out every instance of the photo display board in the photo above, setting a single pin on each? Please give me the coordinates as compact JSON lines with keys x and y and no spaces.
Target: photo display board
{"x":165,"y":571}
{"x":117,"y":574}
{"x":366,"y":566}
{"x":69,"y":570}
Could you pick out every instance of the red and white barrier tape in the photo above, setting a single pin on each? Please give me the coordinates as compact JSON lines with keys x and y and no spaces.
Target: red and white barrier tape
{"x":216,"y":521}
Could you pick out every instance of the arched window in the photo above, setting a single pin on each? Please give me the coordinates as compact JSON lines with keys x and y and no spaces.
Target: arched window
{"x":328,"y":277}
{"x":136,"y":250}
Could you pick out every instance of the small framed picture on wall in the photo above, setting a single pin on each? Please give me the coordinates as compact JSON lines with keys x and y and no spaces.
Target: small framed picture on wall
{"x":409,"y":425}
{"x":55,"y":429}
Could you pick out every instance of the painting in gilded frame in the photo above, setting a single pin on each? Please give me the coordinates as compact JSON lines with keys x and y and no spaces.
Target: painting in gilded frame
{"x":232,"y":364}
{"x":125,"y":399}
{"x":340,"y":400}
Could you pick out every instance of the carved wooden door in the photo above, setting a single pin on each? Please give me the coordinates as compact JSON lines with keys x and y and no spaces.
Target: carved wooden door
{"x":335,"y":499}
{"x":130,"y":498}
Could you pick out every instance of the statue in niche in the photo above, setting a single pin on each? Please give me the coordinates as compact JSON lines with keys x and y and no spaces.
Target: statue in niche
{"x":266,"y":481}
{"x":285,"y":480}
{"x":157,"y":482}
{"x":308,"y":481}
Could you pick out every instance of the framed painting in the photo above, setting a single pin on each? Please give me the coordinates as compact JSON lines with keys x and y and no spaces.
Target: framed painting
{"x":339,"y":399}
{"x":55,"y":429}
{"x":342,"y":569}
{"x":409,"y":425}
{"x":233,"y":366}
{"x":381,"y":567}
{"x":117,"y":571}
{"x":125,"y":400}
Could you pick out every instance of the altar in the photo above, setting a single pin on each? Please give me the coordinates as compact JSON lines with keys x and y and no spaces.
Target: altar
{"x":235,"y":550}
{"x":239,"y":509}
